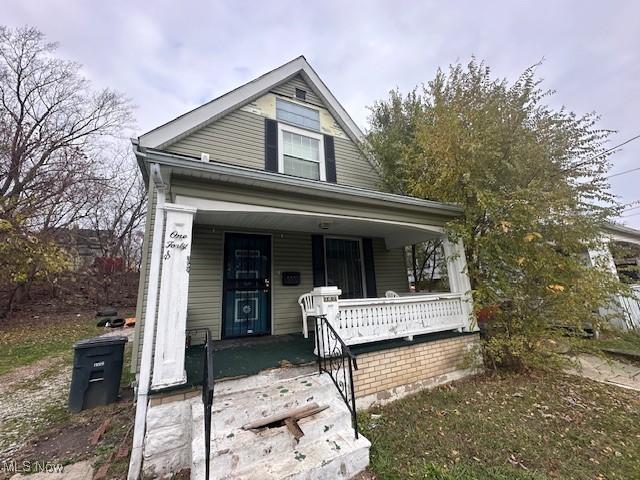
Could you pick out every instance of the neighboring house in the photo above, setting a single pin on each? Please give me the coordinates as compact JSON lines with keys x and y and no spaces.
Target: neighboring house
{"x":257,"y":198}
{"x":85,"y":248}
{"x":624,"y":310}
{"x":431,"y":271}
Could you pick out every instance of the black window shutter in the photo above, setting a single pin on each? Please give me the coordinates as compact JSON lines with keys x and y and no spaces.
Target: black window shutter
{"x":317,"y":258}
{"x":330,"y":159}
{"x":270,"y":145}
{"x":369,"y":268}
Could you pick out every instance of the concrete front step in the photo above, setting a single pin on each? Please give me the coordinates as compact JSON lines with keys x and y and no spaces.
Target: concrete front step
{"x":231,"y":411}
{"x":269,"y":440}
{"x":328,"y":449}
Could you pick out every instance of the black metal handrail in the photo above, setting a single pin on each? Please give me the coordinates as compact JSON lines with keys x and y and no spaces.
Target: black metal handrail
{"x":336,"y":359}
{"x":207,"y":386}
{"x":207,"y":398}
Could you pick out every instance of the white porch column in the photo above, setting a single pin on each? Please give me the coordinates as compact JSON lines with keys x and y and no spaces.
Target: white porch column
{"x":168,"y":364}
{"x":325,"y":302}
{"x":601,"y":257}
{"x":459,"y":279}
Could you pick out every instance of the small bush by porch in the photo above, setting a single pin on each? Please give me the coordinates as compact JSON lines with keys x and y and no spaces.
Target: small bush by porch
{"x":533,"y":427}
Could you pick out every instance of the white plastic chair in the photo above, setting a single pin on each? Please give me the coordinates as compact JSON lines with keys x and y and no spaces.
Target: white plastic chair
{"x":390,"y":294}
{"x":306,"y":305}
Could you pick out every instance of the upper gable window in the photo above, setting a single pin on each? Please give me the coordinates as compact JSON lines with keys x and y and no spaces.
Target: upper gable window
{"x":297,"y":115}
{"x":301,"y":153}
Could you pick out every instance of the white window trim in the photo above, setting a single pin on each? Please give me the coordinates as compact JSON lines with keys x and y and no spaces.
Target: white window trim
{"x":362,"y":269}
{"x":284,"y":127}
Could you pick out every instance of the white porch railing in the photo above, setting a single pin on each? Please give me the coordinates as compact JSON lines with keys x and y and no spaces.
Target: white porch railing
{"x":374,"y":319}
{"x":631,"y":307}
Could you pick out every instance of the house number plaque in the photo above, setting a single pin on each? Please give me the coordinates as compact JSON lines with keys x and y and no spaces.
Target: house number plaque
{"x":177,"y":241}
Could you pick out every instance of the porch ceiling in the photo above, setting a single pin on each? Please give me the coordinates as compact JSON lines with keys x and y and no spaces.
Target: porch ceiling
{"x":245,"y":216}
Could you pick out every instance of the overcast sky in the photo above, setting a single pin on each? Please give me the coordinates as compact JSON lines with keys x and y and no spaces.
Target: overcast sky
{"x":171,"y":56}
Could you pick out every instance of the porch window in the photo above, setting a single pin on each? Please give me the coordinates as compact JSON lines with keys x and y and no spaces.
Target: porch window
{"x":301,"y":153}
{"x":343,"y":260}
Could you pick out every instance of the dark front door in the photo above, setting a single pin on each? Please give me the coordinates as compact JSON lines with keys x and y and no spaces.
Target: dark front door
{"x":246,"y":304}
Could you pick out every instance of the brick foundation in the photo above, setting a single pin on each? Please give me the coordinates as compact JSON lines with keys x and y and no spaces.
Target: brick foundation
{"x":387,"y":375}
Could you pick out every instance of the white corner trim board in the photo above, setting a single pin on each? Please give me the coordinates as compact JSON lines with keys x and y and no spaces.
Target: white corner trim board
{"x":135,"y":462}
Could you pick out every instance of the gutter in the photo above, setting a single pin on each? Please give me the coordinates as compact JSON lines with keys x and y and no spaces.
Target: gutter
{"x":249,"y":176}
{"x":146,"y":363}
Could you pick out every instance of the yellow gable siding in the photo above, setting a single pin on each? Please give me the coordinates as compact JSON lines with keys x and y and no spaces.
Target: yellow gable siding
{"x":238,"y":138}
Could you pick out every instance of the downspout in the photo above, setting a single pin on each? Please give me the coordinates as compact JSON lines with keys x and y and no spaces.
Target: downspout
{"x":144,"y":380}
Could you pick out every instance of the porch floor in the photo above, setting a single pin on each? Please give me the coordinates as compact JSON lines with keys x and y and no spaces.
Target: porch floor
{"x":248,"y":356}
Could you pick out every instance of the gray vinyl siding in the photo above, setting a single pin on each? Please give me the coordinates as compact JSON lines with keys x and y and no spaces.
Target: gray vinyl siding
{"x":391,"y":270}
{"x":205,"y":280}
{"x":352,"y":168}
{"x":291,"y":253}
{"x":141,"y":305}
{"x":288,"y":89}
{"x":236,"y":138}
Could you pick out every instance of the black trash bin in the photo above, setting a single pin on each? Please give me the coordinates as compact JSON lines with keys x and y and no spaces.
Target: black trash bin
{"x":97,"y":367}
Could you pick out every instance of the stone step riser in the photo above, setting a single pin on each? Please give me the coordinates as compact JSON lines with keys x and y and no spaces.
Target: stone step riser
{"x":321,"y":462}
{"x":344,"y":467}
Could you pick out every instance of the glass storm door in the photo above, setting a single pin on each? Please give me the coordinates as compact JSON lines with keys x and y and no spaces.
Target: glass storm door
{"x":246,"y":306}
{"x":344,"y":266}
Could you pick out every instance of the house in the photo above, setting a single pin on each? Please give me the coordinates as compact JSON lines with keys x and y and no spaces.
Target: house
{"x":85,"y":247}
{"x":270,"y":242}
{"x":624,"y":310}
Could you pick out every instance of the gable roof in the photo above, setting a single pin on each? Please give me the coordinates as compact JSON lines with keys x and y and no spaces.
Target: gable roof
{"x":197,"y":118}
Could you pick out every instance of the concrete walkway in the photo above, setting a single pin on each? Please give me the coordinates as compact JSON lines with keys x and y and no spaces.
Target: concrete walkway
{"x":78,"y":471}
{"x":608,"y":371}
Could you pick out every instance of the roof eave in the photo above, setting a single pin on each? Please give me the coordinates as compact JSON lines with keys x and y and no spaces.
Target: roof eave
{"x":252,"y":177}
{"x":190,"y":121}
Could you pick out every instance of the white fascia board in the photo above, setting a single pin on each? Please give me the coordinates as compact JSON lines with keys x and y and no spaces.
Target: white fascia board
{"x":211,"y":111}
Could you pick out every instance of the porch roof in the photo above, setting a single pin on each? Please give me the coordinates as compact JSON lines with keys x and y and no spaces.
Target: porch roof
{"x":247,"y":216}
{"x":233,"y":174}
{"x":623,"y":233}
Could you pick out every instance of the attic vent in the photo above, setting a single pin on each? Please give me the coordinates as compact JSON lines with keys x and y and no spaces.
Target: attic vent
{"x":301,"y":94}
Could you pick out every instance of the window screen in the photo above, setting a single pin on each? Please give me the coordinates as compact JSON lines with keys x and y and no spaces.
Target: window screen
{"x":297,"y":115}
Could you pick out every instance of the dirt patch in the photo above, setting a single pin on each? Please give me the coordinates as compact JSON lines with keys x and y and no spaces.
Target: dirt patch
{"x":74,"y":440}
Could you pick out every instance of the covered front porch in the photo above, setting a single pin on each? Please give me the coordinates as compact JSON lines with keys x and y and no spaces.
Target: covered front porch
{"x":254,"y":273}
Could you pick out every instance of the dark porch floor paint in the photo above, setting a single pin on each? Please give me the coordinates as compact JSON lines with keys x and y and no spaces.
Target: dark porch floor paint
{"x":248,"y":356}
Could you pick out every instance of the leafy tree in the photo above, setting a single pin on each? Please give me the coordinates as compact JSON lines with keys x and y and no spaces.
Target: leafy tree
{"x":53,"y":129}
{"x":532,"y":183}
{"x":423,"y":261}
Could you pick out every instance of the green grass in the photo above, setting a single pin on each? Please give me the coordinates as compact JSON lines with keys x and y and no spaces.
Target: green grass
{"x":536,"y":427}
{"x":626,"y":342}
{"x":27,"y":341}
